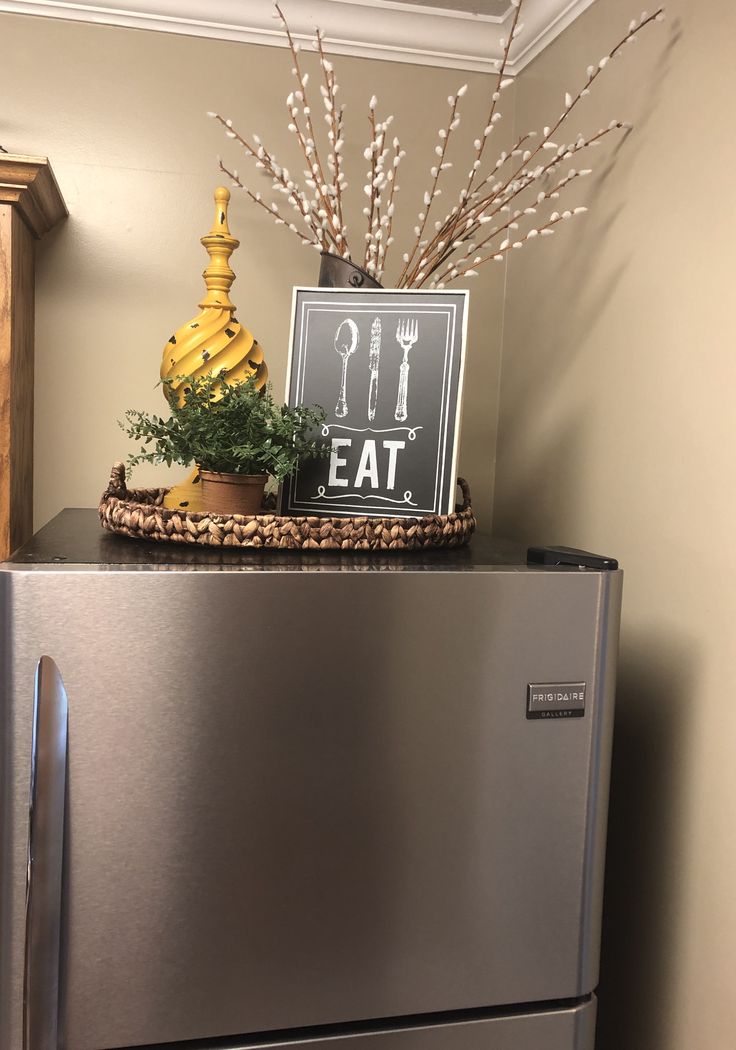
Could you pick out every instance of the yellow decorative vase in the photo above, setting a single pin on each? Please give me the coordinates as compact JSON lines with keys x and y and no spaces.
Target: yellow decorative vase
{"x":214,"y":340}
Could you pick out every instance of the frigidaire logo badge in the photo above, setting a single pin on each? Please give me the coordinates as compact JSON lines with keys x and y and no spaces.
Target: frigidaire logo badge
{"x":555,"y":700}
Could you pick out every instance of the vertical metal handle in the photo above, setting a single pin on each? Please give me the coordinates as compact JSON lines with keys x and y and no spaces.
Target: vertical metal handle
{"x":45,"y":860}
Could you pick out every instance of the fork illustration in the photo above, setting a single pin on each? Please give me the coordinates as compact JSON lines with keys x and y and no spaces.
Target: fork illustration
{"x":407,"y":333}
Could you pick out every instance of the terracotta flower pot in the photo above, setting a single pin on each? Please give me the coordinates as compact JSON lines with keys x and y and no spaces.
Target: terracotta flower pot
{"x":232,"y":493}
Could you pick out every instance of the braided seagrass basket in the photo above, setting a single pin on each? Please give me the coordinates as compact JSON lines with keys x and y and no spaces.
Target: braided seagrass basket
{"x":140,"y":513}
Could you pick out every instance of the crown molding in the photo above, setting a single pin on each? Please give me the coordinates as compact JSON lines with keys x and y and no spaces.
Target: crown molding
{"x":543,"y":22}
{"x":28,"y":184}
{"x":390,"y":31}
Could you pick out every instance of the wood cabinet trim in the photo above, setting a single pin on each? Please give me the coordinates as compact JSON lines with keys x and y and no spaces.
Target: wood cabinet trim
{"x":30,"y":205}
{"x":29,"y":184}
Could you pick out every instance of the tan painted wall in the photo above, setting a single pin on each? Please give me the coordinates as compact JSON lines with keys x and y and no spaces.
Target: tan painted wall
{"x":121,"y":114}
{"x":618,"y":433}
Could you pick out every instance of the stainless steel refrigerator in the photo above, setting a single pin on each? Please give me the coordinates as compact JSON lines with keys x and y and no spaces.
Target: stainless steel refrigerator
{"x":332,"y":802}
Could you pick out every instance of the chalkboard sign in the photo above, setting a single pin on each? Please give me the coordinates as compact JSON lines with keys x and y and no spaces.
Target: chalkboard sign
{"x":387,"y":367}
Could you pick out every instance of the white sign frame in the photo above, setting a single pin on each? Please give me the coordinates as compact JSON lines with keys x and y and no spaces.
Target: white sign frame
{"x":400,"y":331}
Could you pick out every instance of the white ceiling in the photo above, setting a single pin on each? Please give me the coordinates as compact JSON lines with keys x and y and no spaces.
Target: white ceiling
{"x":444,"y":33}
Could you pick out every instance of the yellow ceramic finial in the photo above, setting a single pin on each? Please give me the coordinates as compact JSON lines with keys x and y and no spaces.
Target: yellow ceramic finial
{"x":214,"y":340}
{"x":220,"y":244}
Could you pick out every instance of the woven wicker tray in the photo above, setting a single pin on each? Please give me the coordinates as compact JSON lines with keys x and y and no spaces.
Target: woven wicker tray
{"x":140,"y":513}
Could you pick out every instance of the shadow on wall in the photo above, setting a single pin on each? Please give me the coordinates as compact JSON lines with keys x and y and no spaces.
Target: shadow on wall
{"x":537,"y":500}
{"x":545,"y":484}
{"x":577,"y":287}
{"x":638,"y":952}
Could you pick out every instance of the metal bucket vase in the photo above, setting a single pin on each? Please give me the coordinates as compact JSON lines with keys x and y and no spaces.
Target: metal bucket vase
{"x":335,"y":272}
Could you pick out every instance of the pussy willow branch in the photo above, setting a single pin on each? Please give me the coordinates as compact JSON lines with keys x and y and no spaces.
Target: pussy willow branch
{"x":430,"y":197}
{"x":435,"y":260}
{"x":491,"y":120}
{"x":500,"y":81}
{"x":593,"y":74}
{"x":486,"y":210}
{"x":335,"y":116}
{"x":509,"y":226}
{"x":315,"y":166}
{"x":376,"y":230}
{"x":500,"y":252}
{"x":258,"y":199}
{"x":313,"y":177}
{"x":379,"y":180}
{"x":524,"y":183}
{"x":384,"y":218}
{"x":498,"y":198}
{"x":272,"y":169}
{"x":371,"y":181}
{"x":390,"y":207}
{"x":447,"y":232}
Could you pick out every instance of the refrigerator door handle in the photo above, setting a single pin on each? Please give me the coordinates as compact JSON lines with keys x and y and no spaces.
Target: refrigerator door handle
{"x":47,"y":806}
{"x":569,"y":556}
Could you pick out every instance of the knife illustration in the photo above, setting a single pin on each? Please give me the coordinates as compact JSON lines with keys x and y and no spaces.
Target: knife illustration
{"x":374,"y":358}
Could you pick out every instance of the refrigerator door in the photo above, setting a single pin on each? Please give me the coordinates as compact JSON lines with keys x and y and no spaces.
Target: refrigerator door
{"x":566,"y":1028}
{"x":305,"y":798}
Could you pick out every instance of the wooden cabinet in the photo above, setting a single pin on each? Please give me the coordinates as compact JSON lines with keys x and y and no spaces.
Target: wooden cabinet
{"x":30,"y":205}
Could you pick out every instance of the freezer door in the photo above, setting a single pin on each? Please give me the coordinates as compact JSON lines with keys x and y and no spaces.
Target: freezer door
{"x":566,"y":1028}
{"x":300,"y":799}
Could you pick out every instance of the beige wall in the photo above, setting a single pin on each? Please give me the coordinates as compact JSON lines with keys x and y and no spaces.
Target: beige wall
{"x":618,"y":433}
{"x":121,"y":114}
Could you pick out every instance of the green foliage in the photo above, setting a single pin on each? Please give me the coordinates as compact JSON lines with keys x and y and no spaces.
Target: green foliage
{"x":231,"y":428}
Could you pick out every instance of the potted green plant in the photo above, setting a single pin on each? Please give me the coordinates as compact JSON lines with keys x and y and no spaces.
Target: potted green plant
{"x":236,"y":434}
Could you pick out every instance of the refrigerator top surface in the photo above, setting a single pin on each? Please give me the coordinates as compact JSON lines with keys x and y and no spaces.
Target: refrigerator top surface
{"x":74,"y":540}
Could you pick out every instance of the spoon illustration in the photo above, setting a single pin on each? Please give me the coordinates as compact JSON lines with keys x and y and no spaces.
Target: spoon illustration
{"x":346,"y":343}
